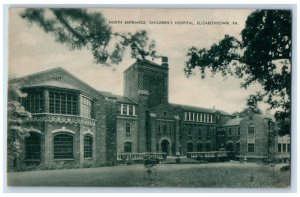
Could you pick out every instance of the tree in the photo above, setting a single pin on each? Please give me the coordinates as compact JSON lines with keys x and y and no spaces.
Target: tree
{"x":263,"y":55}
{"x":79,"y":28}
{"x":17,"y":130}
{"x":252,"y":107}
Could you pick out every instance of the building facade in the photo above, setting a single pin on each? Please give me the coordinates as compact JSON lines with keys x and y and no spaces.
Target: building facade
{"x":76,"y":124}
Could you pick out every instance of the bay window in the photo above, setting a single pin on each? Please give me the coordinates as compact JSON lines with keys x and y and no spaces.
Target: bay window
{"x":63,"y":103}
{"x":86,"y":106}
{"x":34,"y":102}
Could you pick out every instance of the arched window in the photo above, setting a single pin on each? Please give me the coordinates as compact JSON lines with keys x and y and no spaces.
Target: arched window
{"x":63,"y":146}
{"x":251,"y":129}
{"x":88,"y":146}
{"x":229,"y":146}
{"x":190,"y":147}
{"x":127,"y":147}
{"x":208,"y":146}
{"x":33,"y":146}
{"x":199,"y":147}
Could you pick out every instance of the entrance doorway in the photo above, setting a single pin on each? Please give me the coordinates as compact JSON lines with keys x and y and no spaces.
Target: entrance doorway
{"x":165,"y":146}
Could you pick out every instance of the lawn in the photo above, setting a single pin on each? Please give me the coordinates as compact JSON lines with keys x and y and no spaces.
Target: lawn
{"x":218,"y":175}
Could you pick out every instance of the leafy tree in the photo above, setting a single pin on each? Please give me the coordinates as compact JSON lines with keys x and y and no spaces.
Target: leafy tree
{"x":17,"y":130}
{"x":263,"y":55}
{"x":79,"y":28}
{"x":252,"y":107}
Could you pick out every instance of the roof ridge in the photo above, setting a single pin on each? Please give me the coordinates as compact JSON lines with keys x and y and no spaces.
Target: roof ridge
{"x":128,"y":98}
{"x":59,"y":69}
{"x":38,"y":73}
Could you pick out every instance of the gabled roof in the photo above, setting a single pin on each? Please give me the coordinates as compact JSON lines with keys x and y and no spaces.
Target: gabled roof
{"x":233,"y":122}
{"x":121,"y":99}
{"x":60,"y":84}
{"x":60,"y":70}
{"x":107,"y":94}
{"x":125,"y":99}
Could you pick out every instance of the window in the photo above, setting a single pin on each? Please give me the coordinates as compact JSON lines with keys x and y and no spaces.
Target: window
{"x":119,"y":108}
{"x":199,"y":132}
{"x":86,"y":106}
{"x":190,"y":147}
{"x":63,"y":146}
{"x":251,"y":129}
{"x":165,"y":128}
{"x":217,"y":119}
{"x":159,"y":132}
{"x":34,"y":102}
{"x":210,"y":118}
{"x":288,"y":147}
{"x":279,"y":148}
{"x":33,"y":147}
{"x":207,"y":132}
{"x":190,"y":131}
{"x":199,"y":147}
{"x":128,"y":128}
{"x":238,"y":131}
{"x":127,"y":147}
{"x":251,"y":148}
{"x":185,"y":116}
{"x":63,"y":103}
{"x":88,"y":146}
{"x":131,"y":110}
{"x":229,"y":146}
{"x":202,"y":117}
{"x":230,"y":131}
{"x":208,"y":146}
{"x":283,"y":147}
{"x":205,"y":118}
{"x":124,"y":109}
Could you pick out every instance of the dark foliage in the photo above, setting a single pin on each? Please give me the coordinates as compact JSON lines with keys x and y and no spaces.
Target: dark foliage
{"x":263,"y":55}
{"x":78,"y":28}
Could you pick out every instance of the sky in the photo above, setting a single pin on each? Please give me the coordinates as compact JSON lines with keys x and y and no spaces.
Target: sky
{"x":31,"y":50}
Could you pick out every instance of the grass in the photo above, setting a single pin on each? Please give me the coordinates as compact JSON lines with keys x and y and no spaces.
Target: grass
{"x":220,"y":175}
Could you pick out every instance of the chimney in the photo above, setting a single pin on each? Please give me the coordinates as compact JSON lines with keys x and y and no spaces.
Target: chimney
{"x":164,"y":61}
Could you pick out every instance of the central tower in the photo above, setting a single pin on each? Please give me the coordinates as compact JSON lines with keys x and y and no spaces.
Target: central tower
{"x":146,"y":83}
{"x":148,"y":78}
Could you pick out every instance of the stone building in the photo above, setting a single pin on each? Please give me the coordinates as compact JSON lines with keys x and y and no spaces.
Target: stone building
{"x":76,"y":124}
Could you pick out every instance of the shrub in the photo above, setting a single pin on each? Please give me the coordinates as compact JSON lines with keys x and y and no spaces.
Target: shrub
{"x":178,"y":160}
{"x":150,"y":161}
{"x":285,"y":168}
{"x":129,"y":162}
